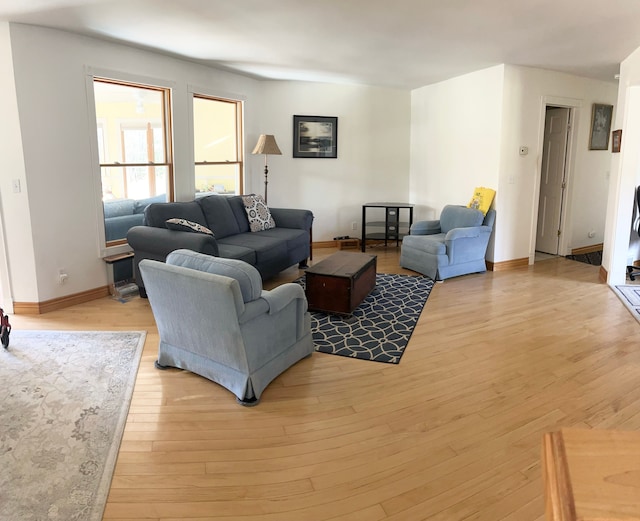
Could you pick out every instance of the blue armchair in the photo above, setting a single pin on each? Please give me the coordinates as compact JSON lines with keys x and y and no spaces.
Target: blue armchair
{"x":215,"y":320}
{"x":456,"y":244}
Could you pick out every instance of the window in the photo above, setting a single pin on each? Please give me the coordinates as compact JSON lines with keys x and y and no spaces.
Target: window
{"x":133,"y":129}
{"x":217,"y":145}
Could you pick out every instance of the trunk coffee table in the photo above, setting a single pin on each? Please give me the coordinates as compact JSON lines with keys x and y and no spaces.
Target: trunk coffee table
{"x":340,"y":282}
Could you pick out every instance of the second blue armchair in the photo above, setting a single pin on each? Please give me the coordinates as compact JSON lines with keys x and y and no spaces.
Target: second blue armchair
{"x":455,"y":244}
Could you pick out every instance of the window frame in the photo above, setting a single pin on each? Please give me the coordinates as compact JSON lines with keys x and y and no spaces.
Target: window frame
{"x":119,"y":78}
{"x":203,"y":93}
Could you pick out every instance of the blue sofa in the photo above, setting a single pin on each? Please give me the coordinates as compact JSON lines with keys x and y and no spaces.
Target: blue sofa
{"x":269,"y":251}
{"x":455,"y":244}
{"x":122,"y":214}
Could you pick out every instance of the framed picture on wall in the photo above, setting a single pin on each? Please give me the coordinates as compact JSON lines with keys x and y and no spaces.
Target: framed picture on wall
{"x":600,"y":126}
{"x":315,"y":136}
{"x":616,"y":140}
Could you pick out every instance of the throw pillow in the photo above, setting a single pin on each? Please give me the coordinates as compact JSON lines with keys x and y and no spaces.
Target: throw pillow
{"x":183,"y":225}
{"x":482,"y":199}
{"x":258,"y":213}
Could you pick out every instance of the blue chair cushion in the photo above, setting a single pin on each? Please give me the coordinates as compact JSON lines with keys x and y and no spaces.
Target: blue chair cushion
{"x":453,"y":216}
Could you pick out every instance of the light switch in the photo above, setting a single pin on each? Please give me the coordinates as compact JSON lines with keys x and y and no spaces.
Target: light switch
{"x":524,"y":150}
{"x":16,"y":186}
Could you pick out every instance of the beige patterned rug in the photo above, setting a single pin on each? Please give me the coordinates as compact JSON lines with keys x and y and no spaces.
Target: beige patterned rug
{"x":64,"y":404}
{"x":630,"y":296}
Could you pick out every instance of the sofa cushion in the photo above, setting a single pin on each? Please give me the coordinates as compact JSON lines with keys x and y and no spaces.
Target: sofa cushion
{"x":116,"y":228}
{"x":183,"y":225}
{"x":237,"y":207}
{"x":156,"y":214}
{"x":219,"y":215}
{"x":258,"y":213}
{"x":267,"y":249}
{"x":118,"y":207}
{"x":141,"y":204}
{"x":247,"y":276}
{"x":238,"y":252}
{"x":292,"y":237}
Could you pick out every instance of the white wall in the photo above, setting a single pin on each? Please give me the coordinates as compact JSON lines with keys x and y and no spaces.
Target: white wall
{"x":50,"y":70}
{"x":467,"y":132}
{"x":527,"y":91}
{"x":16,"y":221}
{"x":456,"y":130}
{"x":455,"y":139}
{"x":621,"y":243}
{"x":56,"y":130}
{"x":373,"y":151}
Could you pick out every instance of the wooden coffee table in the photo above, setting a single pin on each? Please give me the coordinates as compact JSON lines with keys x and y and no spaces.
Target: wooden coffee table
{"x":339,"y":283}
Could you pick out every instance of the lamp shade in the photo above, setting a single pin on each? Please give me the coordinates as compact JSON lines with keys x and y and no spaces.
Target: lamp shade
{"x":267,"y":145}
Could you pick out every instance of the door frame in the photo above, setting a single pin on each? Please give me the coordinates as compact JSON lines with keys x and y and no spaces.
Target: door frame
{"x":565,"y":219}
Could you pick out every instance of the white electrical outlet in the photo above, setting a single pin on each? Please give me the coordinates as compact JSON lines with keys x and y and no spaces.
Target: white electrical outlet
{"x":62,"y":276}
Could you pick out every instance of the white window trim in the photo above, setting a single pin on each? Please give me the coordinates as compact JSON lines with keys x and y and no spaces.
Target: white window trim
{"x":90,"y":74}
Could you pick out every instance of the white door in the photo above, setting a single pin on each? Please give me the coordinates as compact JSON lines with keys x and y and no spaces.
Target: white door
{"x":556,"y":131}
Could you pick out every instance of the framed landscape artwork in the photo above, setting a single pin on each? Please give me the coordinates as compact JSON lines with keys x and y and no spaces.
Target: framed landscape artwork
{"x":600,"y":126}
{"x":315,"y":136}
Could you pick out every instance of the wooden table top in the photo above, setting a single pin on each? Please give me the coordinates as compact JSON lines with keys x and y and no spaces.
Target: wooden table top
{"x":342,"y":264}
{"x":591,"y":475}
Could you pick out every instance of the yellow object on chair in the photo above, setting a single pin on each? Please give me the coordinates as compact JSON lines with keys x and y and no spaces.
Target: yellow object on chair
{"x":482,"y":199}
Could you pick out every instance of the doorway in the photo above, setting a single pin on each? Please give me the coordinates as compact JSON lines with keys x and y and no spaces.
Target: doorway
{"x":553,"y":179}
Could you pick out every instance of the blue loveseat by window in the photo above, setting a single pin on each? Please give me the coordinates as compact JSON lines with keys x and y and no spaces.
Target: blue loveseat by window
{"x":122,"y":214}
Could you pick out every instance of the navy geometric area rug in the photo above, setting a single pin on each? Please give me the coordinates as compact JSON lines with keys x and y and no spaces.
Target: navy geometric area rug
{"x":380,"y":327}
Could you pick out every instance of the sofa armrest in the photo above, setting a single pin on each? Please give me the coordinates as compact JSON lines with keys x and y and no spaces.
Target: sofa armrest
{"x":425,"y":228}
{"x":161,"y":241}
{"x":292,"y":218}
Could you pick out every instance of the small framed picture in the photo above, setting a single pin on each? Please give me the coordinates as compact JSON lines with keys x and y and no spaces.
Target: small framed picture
{"x":616,"y":140}
{"x":315,"y":136}
{"x":600,"y":126}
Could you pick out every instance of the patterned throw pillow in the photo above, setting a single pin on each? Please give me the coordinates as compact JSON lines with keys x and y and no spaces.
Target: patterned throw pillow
{"x":258,"y":213}
{"x":183,"y":225}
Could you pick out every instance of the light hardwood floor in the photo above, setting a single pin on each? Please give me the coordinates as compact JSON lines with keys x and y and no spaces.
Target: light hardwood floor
{"x":451,"y":433}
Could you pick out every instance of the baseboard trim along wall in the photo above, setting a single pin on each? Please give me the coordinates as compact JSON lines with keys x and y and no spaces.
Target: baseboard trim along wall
{"x":603,"y":274}
{"x":587,"y":249}
{"x":508,"y":265}
{"x":37,"y":308}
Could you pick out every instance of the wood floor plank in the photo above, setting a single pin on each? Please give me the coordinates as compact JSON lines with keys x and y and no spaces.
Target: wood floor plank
{"x":451,"y":433}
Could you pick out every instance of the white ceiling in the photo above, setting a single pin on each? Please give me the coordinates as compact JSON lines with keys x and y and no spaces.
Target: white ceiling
{"x":395,"y":43}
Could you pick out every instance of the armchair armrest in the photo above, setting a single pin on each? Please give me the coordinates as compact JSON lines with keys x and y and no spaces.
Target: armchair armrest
{"x":425,"y":228}
{"x":279,"y":297}
{"x":470,"y":232}
{"x":292,"y":218}
{"x":161,"y":241}
{"x":461,"y":233}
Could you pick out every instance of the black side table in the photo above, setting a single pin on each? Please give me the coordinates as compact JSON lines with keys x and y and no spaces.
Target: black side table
{"x":391,"y":229}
